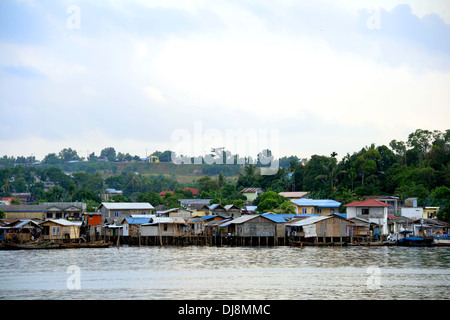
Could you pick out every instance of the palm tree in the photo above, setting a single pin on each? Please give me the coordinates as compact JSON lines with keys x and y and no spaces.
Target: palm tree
{"x":352,"y":175}
{"x":330,"y":172}
{"x":287,"y":207}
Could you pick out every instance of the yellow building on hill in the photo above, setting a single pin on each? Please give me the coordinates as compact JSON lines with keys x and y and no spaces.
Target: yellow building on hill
{"x":320,"y":207}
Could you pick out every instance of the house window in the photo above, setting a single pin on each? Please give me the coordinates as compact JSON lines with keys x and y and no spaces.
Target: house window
{"x":165,"y":226}
{"x":332,"y":211}
{"x":55,"y":231}
{"x":312,"y":210}
{"x":304,"y":210}
{"x":319,"y":210}
{"x":116,"y":214}
{"x":365,"y":211}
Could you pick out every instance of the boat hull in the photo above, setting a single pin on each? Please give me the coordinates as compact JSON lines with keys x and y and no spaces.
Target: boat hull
{"x":415,"y":242}
{"x":442,"y":241}
{"x":99,"y":244}
{"x":36,"y":246}
{"x":31,"y":246}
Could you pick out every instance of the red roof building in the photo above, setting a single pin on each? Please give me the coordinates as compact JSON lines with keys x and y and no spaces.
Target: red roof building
{"x":163,"y":193}
{"x":194,"y":191}
{"x":371,"y":210}
{"x":367,"y":203}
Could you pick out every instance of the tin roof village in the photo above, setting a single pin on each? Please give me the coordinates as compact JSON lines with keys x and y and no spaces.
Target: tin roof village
{"x":375,"y":221}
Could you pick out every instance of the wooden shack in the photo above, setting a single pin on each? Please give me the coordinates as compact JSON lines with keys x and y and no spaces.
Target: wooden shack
{"x":60,"y":229}
{"x":92,"y":218}
{"x":22,"y":231}
{"x":92,"y":226}
{"x":174,"y":212}
{"x":360,"y":227}
{"x":319,"y":230}
{"x":124,"y":209}
{"x":253,"y":230}
{"x":217,"y":209}
{"x":131,"y":226}
{"x":173,"y":230}
{"x":233,"y":211}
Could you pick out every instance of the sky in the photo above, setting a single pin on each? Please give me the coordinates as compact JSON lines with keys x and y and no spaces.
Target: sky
{"x":296,"y":77}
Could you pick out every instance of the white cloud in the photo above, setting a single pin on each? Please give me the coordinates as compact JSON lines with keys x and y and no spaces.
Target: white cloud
{"x":263,"y":68}
{"x":154,"y":94}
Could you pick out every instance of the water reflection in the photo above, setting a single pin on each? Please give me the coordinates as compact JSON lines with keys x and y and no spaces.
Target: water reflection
{"x":227,"y":273}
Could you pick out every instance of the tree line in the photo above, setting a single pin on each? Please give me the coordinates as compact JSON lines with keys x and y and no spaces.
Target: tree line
{"x":418,"y":167}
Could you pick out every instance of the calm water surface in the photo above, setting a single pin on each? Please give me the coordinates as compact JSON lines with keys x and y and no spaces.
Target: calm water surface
{"x":191,"y":273}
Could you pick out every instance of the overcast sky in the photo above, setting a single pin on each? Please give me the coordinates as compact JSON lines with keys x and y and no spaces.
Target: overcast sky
{"x":300,"y":77}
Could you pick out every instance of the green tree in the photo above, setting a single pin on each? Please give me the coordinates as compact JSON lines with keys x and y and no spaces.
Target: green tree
{"x":444,"y":213}
{"x":52,"y":158}
{"x":399,"y":148}
{"x":420,"y":140}
{"x":287,"y":207}
{"x":412,"y":190}
{"x":115,"y":182}
{"x":352,"y":176}
{"x":207,"y":184}
{"x":319,"y":173}
{"x":239,"y":203}
{"x":151,"y":197}
{"x":267,"y":205}
{"x":68,"y":154}
{"x":108,"y":153}
{"x":84,"y":195}
{"x":250,"y":177}
{"x":329,"y":172}
{"x":366,"y":163}
{"x":171,"y":200}
{"x":19,"y":185}
{"x":55,"y":194}
{"x":268,"y":201}
{"x":119,"y":198}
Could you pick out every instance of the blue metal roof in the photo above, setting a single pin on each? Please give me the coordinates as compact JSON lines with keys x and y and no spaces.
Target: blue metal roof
{"x":212,"y":216}
{"x":137,"y":220}
{"x":283,"y":217}
{"x":209,"y":217}
{"x":325,"y":203}
{"x":274,"y":217}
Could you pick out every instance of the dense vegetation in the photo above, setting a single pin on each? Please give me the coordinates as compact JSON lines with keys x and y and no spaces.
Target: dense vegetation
{"x":418,"y":167}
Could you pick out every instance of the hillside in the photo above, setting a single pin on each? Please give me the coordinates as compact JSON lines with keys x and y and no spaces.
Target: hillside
{"x":183,"y":173}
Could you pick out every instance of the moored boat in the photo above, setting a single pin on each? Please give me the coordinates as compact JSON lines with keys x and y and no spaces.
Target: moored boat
{"x":415,"y":241}
{"x":442,"y":240}
{"x":94,"y":244}
{"x":32,"y":246}
{"x":408,"y":239}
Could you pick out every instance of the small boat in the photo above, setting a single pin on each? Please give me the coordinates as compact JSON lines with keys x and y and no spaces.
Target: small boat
{"x":404,"y":238}
{"x":442,"y":240}
{"x":416,"y":241}
{"x":94,"y":244}
{"x":32,"y":246}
